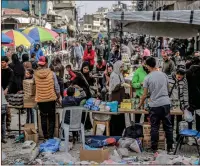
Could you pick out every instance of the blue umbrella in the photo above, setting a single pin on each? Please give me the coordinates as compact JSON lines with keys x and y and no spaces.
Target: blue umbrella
{"x":5,"y":39}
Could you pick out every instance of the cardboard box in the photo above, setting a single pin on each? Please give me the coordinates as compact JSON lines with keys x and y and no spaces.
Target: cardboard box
{"x":29,"y":101}
{"x":29,"y":87}
{"x":30,"y":132}
{"x":94,"y":155}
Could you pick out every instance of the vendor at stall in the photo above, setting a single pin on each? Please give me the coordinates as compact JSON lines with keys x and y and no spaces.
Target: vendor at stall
{"x":137,"y":83}
{"x":117,"y":93}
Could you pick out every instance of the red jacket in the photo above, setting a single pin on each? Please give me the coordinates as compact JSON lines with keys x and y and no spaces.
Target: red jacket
{"x":72,"y":74}
{"x":89,"y":57}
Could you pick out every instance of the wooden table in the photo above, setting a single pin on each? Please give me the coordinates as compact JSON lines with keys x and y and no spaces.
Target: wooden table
{"x":20,"y":108}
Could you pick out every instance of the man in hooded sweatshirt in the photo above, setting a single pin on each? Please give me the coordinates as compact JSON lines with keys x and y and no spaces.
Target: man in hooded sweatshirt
{"x":37,"y":50}
{"x":47,"y":93}
{"x":89,"y":55}
{"x":20,"y":51}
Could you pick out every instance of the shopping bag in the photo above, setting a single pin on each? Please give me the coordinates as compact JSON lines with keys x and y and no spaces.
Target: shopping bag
{"x":188,"y":116}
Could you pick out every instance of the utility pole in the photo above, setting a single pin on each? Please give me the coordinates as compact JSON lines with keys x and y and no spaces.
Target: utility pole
{"x":39,"y":6}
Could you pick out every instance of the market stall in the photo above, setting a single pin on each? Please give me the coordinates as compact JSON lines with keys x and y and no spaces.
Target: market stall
{"x":177,"y":23}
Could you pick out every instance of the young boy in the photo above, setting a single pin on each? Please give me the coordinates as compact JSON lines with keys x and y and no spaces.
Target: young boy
{"x":33,"y":61}
{"x":3,"y":116}
{"x":71,"y":73}
{"x":70,"y":99}
{"x":30,"y":113}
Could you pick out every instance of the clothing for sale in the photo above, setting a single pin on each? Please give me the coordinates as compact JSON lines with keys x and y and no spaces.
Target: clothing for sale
{"x":158,"y":114}
{"x":168,"y":67}
{"x":178,"y":90}
{"x":6,"y":77}
{"x":157,"y":84}
{"x":46,"y":85}
{"x":193,"y":75}
{"x":47,"y":111}
{"x":138,"y":78}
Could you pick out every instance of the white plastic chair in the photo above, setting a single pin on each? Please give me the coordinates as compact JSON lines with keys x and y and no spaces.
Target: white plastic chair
{"x":71,"y":121}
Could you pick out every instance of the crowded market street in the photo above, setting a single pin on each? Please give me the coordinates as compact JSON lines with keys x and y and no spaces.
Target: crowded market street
{"x":118,"y":84}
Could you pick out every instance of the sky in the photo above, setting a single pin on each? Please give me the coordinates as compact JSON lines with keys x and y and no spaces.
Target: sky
{"x":91,"y":7}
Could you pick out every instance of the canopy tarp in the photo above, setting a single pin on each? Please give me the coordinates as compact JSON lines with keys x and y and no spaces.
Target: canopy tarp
{"x":175,"y":24}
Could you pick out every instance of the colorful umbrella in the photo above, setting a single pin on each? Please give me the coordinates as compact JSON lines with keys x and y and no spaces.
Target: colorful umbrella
{"x":5,"y":38}
{"x":39,"y":34}
{"x":55,"y":35}
{"x":19,"y":38}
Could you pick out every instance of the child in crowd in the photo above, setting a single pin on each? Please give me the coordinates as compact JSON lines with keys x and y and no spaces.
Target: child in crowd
{"x":30,"y":113}
{"x":33,"y":61}
{"x":71,"y":73}
{"x":70,"y":99}
{"x":101,"y":65}
{"x":3,"y":117}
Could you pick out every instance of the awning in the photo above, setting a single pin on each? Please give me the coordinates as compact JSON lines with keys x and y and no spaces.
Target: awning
{"x":176,"y":24}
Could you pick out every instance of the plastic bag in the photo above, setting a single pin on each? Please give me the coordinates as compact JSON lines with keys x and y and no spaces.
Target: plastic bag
{"x":125,"y":142}
{"x":188,"y":116}
{"x":136,"y":146}
{"x":51,"y":145}
{"x":113,"y":106}
{"x":123,"y":152}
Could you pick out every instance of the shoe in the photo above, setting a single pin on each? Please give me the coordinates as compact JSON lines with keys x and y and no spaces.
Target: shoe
{"x":3,"y":141}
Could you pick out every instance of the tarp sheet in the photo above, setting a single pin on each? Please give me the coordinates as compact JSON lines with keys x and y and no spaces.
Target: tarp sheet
{"x":176,"y":24}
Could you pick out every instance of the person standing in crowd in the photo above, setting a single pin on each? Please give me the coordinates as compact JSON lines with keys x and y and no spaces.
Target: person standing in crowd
{"x":9,"y":54}
{"x":72,"y":56}
{"x":25,"y":61}
{"x":18,"y":75}
{"x":193,"y":75}
{"x":47,"y":93}
{"x":137,"y":83}
{"x":6,"y":83}
{"x":57,"y":67}
{"x":117,"y":93}
{"x":101,"y":65}
{"x":159,"y":47}
{"x":146,"y":51}
{"x":78,"y":54}
{"x":20,"y":51}
{"x":156,"y":84}
{"x":115,"y":55}
{"x":178,"y":93}
{"x":71,"y":74}
{"x":168,"y":64}
{"x":37,"y":50}
{"x":3,"y":117}
{"x":33,"y":61}
{"x":89,"y":55}
{"x":106,"y":81}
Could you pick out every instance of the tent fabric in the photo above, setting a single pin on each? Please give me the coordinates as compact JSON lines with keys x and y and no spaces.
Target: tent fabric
{"x":175,"y":24}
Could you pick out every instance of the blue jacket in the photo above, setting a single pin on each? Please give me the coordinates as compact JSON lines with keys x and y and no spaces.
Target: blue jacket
{"x":72,"y":100}
{"x":38,"y":53}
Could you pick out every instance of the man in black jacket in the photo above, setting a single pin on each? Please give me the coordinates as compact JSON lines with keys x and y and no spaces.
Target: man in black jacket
{"x":193,"y":75}
{"x":6,"y":82}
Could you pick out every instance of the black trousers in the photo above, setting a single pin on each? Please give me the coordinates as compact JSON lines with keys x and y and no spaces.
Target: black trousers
{"x":158,"y":114}
{"x":48,"y":111}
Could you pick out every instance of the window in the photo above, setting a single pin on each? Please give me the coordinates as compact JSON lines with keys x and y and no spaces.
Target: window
{"x":89,"y":26}
{"x":85,"y":26}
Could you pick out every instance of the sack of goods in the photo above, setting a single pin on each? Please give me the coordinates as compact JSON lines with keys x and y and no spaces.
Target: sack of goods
{"x":29,"y":93}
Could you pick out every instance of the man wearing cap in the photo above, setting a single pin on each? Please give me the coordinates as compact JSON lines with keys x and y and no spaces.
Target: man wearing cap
{"x":47,"y":93}
{"x":89,"y":55}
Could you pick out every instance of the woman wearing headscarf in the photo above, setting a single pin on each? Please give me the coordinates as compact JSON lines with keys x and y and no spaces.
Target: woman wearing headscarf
{"x":18,"y":75}
{"x":84,"y":79}
{"x":117,"y":93}
{"x":57,"y":67}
